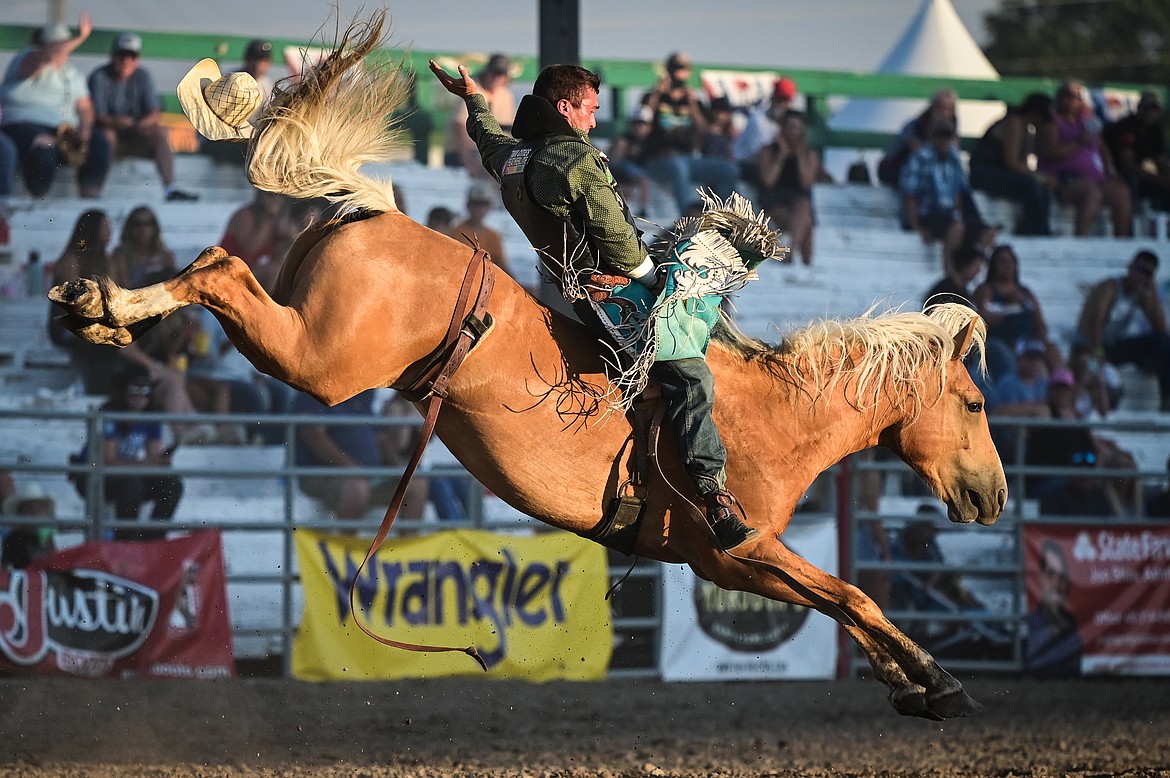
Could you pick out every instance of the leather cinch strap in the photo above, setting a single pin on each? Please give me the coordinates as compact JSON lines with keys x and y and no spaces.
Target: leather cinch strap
{"x":468,"y":323}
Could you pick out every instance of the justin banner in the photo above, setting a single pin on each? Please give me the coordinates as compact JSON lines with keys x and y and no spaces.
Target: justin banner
{"x":1098,"y":599}
{"x":120,"y":610}
{"x":534,"y":607}
{"x":709,"y":634}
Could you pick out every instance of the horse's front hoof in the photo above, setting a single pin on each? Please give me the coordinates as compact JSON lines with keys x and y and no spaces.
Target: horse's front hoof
{"x":953,"y":705}
{"x":82,"y":298}
{"x":913,"y":704}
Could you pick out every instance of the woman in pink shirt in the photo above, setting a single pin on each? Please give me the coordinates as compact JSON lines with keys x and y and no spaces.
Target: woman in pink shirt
{"x":1069,"y":149}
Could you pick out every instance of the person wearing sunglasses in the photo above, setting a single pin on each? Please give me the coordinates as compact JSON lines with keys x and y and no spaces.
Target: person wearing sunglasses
{"x":127,"y":110}
{"x":1123,"y":321}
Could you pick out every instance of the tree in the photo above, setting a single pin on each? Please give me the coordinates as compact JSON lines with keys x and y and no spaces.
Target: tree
{"x":1090,"y":40}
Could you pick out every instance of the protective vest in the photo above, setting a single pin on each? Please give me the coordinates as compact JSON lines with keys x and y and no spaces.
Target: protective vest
{"x":546,"y":232}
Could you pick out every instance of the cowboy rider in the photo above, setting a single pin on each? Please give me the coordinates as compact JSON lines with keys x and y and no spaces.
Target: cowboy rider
{"x":558,"y":188}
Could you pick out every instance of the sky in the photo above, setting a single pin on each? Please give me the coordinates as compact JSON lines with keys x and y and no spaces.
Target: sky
{"x":815,"y":34}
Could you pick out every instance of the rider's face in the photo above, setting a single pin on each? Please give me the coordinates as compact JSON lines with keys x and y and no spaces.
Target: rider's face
{"x":583,"y":115}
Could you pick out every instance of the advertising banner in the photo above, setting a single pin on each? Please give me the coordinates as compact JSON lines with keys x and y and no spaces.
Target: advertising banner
{"x":1098,"y":599}
{"x":534,"y":607}
{"x":119,"y":610}
{"x":709,"y":634}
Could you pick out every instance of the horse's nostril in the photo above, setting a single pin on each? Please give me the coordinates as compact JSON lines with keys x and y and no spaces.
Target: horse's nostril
{"x":976,"y":500}
{"x":1001,"y":498}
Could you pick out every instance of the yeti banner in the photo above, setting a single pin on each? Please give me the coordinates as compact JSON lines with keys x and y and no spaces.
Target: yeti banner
{"x":119,"y":610}
{"x":534,"y":607}
{"x":710,"y":634}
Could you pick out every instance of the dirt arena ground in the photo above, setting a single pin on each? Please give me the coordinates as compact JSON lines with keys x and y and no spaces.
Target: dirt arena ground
{"x":269,"y":727}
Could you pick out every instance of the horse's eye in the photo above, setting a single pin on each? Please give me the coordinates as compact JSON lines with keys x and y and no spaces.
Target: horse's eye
{"x":975,"y":407}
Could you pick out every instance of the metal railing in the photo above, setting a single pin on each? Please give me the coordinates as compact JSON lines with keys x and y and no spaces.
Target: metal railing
{"x":1002,"y":574}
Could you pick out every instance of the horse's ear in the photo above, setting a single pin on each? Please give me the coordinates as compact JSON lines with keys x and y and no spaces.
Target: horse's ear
{"x":963,"y":340}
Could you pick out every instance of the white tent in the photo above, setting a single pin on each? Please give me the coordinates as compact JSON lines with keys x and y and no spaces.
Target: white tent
{"x":936,"y":43}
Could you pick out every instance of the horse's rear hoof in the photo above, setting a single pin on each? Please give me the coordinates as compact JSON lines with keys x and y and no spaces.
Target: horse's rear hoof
{"x":83,"y":298}
{"x":953,"y":705}
{"x":913,"y":704}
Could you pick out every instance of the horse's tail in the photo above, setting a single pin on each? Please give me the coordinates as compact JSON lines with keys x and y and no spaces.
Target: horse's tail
{"x":314,"y":136}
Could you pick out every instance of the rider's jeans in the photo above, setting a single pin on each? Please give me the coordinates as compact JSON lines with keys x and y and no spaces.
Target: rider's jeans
{"x":689,"y":389}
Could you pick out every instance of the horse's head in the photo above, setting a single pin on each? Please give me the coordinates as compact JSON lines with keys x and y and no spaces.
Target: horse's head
{"x":948,"y":442}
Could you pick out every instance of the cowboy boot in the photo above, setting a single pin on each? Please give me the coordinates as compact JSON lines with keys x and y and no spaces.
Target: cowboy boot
{"x":729,"y":529}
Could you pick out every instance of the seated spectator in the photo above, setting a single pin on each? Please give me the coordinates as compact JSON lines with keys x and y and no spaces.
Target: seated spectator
{"x":936,"y":196}
{"x":625,"y":157}
{"x":719,"y":140}
{"x":677,"y":128}
{"x":1138,"y":146}
{"x":441,"y":219}
{"x":1123,"y":321}
{"x":135,"y":443}
{"x":956,"y":285}
{"x":1096,"y":383}
{"x":343,"y":445}
{"x":762,"y":126}
{"x":1069,"y":149}
{"x":918,"y":542}
{"x":141,"y":252}
{"x":1010,"y":309}
{"x":787,"y":170}
{"x":999,"y":164}
{"x":1024,"y":391}
{"x":251,"y":230}
{"x":916,"y":133}
{"x":494,"y":82}
{"x":49,"y":117}
{"x":1082,"y":494}
{"x":481,"y":198}
{"x":25,"y":543}
{"x":127,"y":109}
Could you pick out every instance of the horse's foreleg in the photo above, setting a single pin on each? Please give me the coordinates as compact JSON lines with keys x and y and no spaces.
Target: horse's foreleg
{"x":905,"y":667}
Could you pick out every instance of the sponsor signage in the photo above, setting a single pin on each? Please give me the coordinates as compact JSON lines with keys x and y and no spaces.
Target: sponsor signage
{"x":1098,"y":599}
{"x":122,"y":610}
{"x":534,"y":607}
{"x":710,"y":634}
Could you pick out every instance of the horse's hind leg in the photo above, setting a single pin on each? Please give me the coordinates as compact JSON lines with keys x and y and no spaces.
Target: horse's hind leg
{"x":899,"y":662}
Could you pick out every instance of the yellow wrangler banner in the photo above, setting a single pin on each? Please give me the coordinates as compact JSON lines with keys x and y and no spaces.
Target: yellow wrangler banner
{"x":534,"y":607}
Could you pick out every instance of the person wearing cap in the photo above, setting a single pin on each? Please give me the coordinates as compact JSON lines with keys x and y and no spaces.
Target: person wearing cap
{"x":559,"y":189}
{"x":258,"y":64}
{"x":49,"y":116}
{"x":1070,"y":149}
{"x":127,"y":109}
{"x":916,"y":133}
{"x":678,"y":126}
{"x":999,"y":164}
{"x":1024,"y":391}
{"x":936,"y":196}
{"x":24,"y":543}
{"x":1138,"y":146}
{"x":481,"y":197}
{"x":762,"y":126}
{"x":494,"y":81}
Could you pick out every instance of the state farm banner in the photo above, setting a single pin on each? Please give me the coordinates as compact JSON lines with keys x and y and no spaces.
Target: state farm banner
{"x":534,"y":607}
{"x":120,"y":610}
{"x":1098,"y":599}
{"x":709,"y":634}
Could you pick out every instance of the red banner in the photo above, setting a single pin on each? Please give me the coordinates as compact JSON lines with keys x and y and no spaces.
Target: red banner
{"x":1098,"y":599}
{"x":122,"y":610}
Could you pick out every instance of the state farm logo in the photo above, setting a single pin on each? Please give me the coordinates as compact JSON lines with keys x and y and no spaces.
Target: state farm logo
{"x":743,"y":621}
{"x":87,"y":618}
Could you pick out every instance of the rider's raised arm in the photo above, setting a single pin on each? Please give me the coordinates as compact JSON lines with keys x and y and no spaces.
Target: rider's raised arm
{"x":493,"y":143}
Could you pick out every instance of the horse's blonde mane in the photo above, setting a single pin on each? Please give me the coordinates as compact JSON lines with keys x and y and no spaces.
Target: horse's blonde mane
{"x":893,"y":349}
{"x":313,"y":136}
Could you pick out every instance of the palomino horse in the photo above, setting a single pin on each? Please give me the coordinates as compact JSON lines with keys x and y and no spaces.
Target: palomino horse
{"x":361,"y":303}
